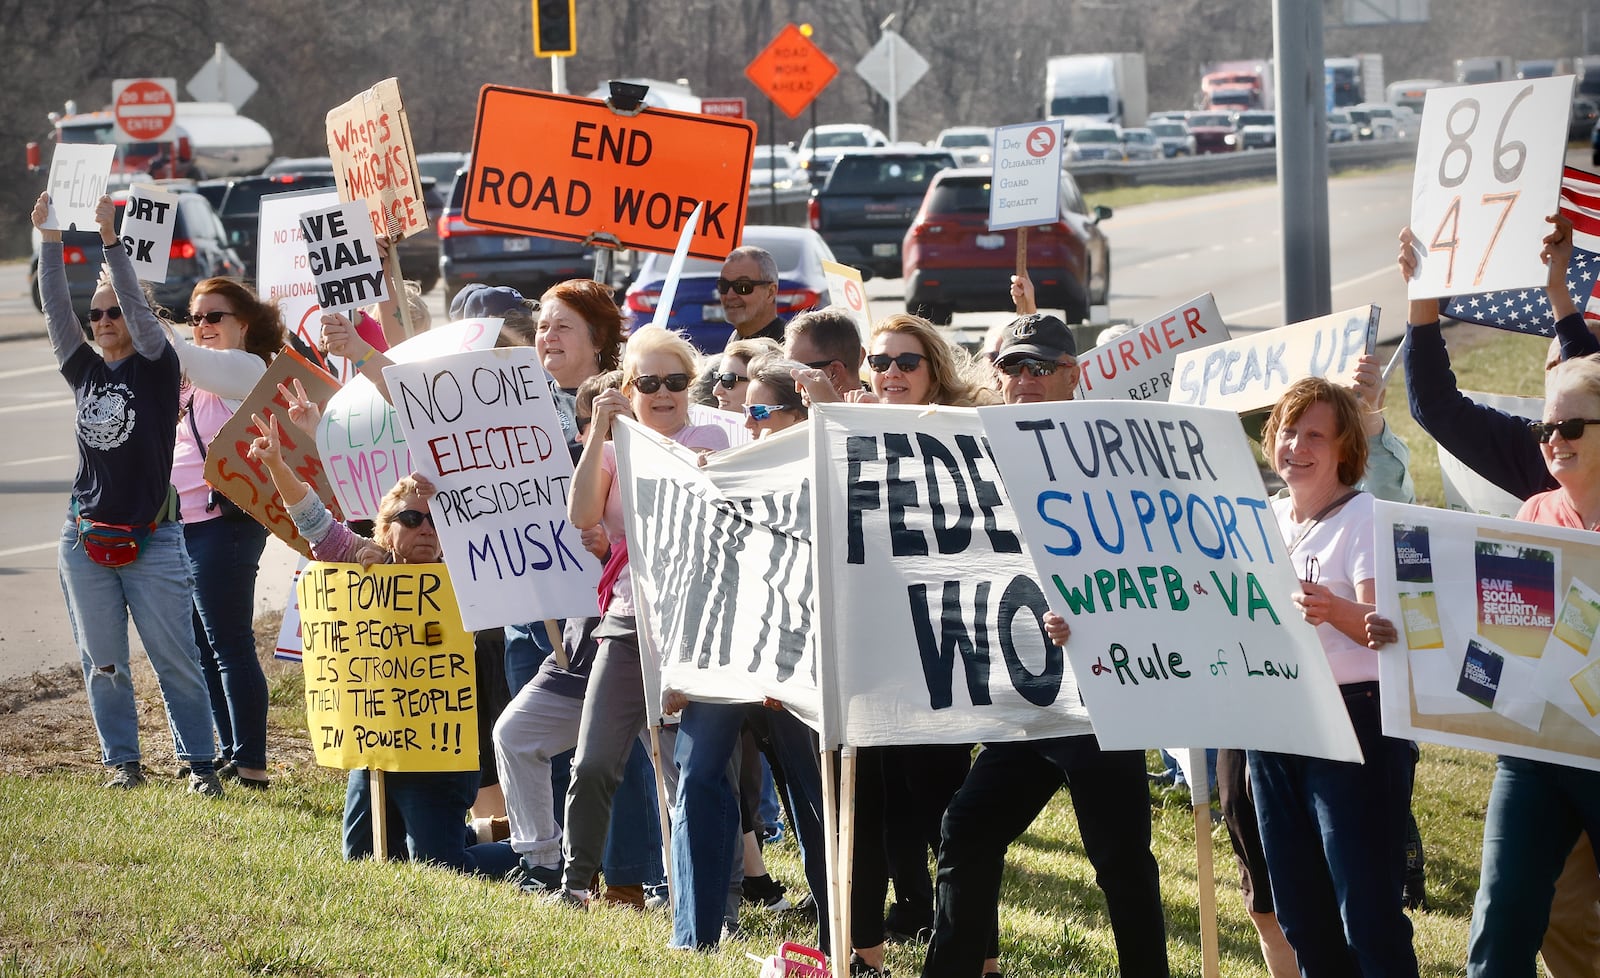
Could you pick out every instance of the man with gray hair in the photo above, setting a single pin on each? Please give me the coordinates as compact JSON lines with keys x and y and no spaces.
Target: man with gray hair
{"x":827,"y":339}
{"x":748,"y":288}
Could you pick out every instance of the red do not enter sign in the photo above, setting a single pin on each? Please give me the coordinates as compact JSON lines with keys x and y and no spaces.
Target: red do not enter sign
{"x":144,"y":108}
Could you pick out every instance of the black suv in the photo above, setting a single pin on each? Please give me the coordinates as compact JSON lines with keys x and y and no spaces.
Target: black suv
{"x":528,"y":263}
{"x":241,"y":207}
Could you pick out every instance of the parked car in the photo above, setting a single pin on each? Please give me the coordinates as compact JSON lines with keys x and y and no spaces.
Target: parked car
{"x":1094,"y":142}
{"x":442,"y":167}
{"x":696,"y":307}
{"x":1212,"y":132}
{"x":952,"y":262}
{"x":1173,"y":137}
{"x":213,"y":190}
{"x":1584,"y":113}
{"x":1370,"y":126}
{"x":1168,"y":115}
{"x":1140,"y":143}
{"x":1388,"y":114}
{"x":777,"y":167}
{"x":241,"y":207}
{"x":528,"y":263}
{"x":1594,"y":145}
{"x":1255,"y":130}
{"x":1340,"y":128}
{"x":970,"y":145}
{"x":869,"y":200}
{"x":298,"y":164}
{"x":199,"y":251}
{"x":820,"y":147}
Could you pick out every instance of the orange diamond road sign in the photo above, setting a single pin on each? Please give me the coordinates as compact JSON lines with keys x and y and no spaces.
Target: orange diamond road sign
{"x":568,"y":167}
{"x":792,"y":71}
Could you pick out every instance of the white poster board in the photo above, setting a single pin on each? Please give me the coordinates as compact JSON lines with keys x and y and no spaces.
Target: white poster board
{"x":1497,"y":622}
{"x":1466,"y":490}
{"x":147,"y":222}
{"x":283,"y":270}
{"x":929,"y":612}
{"x":1251,"y":372}
{"x":846,"y":290}
{"x":78,"y":176}
{"x":723,"y":577}
{"x":1489,"y":161}
{"x":1151,"y":531}
{"x":483,"y":427}
{"x":732,"y":424}
{"x":1026,"y":189}
{"x":342,"y":255}
{"x":1139,"y":364}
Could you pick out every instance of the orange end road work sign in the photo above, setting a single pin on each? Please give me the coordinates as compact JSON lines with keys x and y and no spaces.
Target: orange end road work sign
{"x":792,"y":71}
{"x":569,"y":167}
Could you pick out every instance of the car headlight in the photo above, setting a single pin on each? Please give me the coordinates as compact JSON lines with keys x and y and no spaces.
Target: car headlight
{"x":1230,"y":139}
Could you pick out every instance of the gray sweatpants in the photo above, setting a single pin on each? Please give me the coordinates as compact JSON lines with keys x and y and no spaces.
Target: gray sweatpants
{"x":613,"y":715}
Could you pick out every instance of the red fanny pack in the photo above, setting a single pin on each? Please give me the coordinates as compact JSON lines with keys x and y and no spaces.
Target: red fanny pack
{"x":112,"y":544}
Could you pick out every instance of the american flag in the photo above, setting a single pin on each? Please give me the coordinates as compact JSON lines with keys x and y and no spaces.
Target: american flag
{"x":1528,"y":310}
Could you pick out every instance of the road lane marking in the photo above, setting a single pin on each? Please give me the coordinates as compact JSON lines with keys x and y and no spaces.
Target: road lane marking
{"x":36,"y":461}
{"x":14,"y":551}
{"x":1278,"y":304}
{"x":47,"y":368}
{"x":63,"y":402}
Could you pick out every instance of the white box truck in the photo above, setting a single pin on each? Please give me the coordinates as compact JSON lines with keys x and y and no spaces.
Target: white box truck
{"x":1084,"y":88}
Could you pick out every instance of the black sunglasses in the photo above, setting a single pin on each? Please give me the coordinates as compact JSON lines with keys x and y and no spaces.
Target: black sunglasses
{"x":1571,"y":429}
{"x":115,"y":312}
{"x":907,"y":362}
{"x":650,"y":383}
{"x":1036,"y":368}
{"x":412,"y":518}
{"x":743,"y":286}
{"x":728,"y":381}
{"x":761,"y":412}
{"x":213,"y":317}
{"x":822,"y":364}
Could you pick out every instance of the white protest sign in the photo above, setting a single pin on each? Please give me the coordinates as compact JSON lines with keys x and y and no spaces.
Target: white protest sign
{"x":669,"y":288}
{"x":482,"y":425}
{"x":1138,"y":365}
{"x":1466,"y":490}
{"x":1173,"y":575}
{"x":929,"y":613}
{"x":722,"y":569}
{"x":78,"y":176}
{"x":291,"y":646}
{"x":147,"y":222}
{"x":846,"y":291}
{"x":283,"y":270}
{"x":342,"y":254}
{"x":1026,"y":188}
{"x":1488,"y":173}
{"x":1497,"y":621}
{"x":1251,"y":372}
{"x":731,"y":424}
{"x":363,"y":450}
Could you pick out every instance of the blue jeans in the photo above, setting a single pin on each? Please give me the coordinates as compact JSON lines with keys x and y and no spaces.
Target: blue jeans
{"x":633,"y":840}
{"x":527,"y":646}
{"x":224,"y":555}
{"x":706,"y":838}
{"x":158,"y":589}
{"x":427,"y":820}
{"x":1536,"y":811}
{"x":1335,"y":839}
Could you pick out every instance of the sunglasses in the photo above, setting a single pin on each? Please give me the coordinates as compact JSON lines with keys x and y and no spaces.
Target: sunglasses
{"x":743,"y":286}
{"x":1035,"y":368}
{"x":730,"y":380}
{"x":213,"y":317}
{"x":650,"y":383}
{"x":761,"y":412}
{"x":822,"y":364}
{"x":412,"y":518}
{"x":115,"y":312}
{"x":907,"y":362}
{"x":1571,"y":429}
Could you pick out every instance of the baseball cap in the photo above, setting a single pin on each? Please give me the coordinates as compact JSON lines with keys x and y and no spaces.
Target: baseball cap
{"x":484,"y":301}
{"x":1037,"y":335}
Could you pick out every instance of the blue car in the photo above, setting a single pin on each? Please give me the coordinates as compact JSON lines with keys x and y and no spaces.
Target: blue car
{"x":697,"y":309}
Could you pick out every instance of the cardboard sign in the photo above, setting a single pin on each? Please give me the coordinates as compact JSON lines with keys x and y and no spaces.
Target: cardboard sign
{"x":1489,"y":161}
{"x":147,"y":222}
{"x":723,"y":578}
{"x":231,"y":470}
{"x":144,"y":109}
{"x":360,"y":437}
{"x":792,"y":71}
{"x":1154,"y":538}
{"x":483,"y":427}
{"x":369,"y":139}
{"x":1517,"y":676}
{"x":1251,"y":372}
{"x":283,"y":269}
{"x":342,"y":255}
{"x":390,"y":674}
{"x":1026,"y":187}
{"x":1139,"y":365}
{"x":569,"y":167}
{"x":1467,"y":491}
{"x":929,"y":611}
{"x":846,"y":290}
{"x":78,"y":176}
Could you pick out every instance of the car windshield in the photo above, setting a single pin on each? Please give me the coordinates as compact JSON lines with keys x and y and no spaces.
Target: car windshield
{"x":764,"y":155}
{"x":1208,"y":120}
{"x":1169,"y":129}
{"x":885,"y":174}
{"x":1257,"y":119}
{"x":442,"y":171}
{"x":1381,"y":112}
{"x":1080,"y":105}
{"x":962,"y":140}
{"x":1359,"y":115}
{"x":1096,"y":136}
{"x":965,"y":196}
{"x":1139,"y":136}
{"x":1339,"y":117}
{"x":93,"y":133}
{"x":244,"y":197}
{"x":835,"y":140}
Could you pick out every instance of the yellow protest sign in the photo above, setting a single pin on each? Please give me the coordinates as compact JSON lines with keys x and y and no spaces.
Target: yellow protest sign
{"x":389,"y":674}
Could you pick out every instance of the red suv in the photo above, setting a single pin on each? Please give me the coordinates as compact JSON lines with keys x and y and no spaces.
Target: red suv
{"x":952,"y":262}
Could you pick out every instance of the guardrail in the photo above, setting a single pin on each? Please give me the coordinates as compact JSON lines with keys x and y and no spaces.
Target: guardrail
{"x":1240,"y":165}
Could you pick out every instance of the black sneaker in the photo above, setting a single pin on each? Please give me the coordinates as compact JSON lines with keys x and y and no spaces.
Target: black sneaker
{"x":765,"y":892}
{"x":126,"y":775}
{"x":860,"y":968}
{"x":538,"y":880}
{"x":205,"y":784}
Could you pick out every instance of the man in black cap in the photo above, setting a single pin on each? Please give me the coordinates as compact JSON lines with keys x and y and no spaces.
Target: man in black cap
{"x":1010,"y":783}
{"x":748,"y":288}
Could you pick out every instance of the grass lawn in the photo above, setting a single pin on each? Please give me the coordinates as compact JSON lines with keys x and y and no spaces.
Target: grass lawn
{"x":157,"y":882}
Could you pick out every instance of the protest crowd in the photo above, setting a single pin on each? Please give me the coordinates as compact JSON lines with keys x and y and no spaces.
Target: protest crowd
{"x":722,"y":527}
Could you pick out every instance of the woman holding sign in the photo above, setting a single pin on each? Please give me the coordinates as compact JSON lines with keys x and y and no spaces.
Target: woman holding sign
{"x":1335,"y":832}
{"x":235,"y":337}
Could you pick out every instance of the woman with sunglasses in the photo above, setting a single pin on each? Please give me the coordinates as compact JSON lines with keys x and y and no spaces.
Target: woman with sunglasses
{"x":772,"y":400}
{"x":235,"y":337}
{"x":127,"y":409}
{"x":657,"y":370}
{"x":733,"y":373}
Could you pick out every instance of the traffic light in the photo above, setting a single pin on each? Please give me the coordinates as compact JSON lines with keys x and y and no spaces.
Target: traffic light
{"x":555,"y":30}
